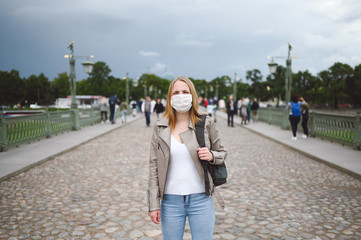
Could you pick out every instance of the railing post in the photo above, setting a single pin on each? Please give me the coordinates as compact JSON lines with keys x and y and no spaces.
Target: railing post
{"x":311,"y":126}
{"x":356,"y":144}
{"x":48,"y":124}
{"x":91,"y":116}
{"x":3,"y":140}
{"x":76,"y":119}
{"x":285,"y":119}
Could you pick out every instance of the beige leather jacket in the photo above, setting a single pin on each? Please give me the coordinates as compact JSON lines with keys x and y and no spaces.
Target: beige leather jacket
{"x":160,"y":152}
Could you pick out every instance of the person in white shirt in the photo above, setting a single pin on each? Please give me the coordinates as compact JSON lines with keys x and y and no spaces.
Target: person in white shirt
{"x":177,"y":188}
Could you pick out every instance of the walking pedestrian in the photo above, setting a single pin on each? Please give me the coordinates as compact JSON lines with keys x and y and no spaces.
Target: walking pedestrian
{"x":231,"y":110}
{"x":254,"y":110}
{"x":103,"y":110}
{"x":124,"y":110}
{"x":244,"y":107}
{"x":249,"y":105}
{"x":304,"y":112}
{"x":210,"y":108}
{"x":239,"y":106}
{"x":140,"y":103}
{"x":146,"y":109}
{"x":295,"y":115}
{"x":205,"y":102}
{"x":222,"y":104}
{"x":133,"y":105}
{"x":215,"y":108}
{"x":113,"y":100}
{"x":176,"y":180}
{"x":158,"y":108}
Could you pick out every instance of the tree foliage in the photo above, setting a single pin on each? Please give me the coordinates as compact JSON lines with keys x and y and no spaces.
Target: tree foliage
{"x":60,"y":86}
{"x":337,"y":85}
{"x":12,"y":89}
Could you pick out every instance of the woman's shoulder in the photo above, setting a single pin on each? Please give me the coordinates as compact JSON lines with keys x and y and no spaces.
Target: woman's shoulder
{"x":208,"y":120}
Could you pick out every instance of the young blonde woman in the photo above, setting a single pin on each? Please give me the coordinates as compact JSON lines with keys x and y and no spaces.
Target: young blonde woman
{"x":176,"y":180}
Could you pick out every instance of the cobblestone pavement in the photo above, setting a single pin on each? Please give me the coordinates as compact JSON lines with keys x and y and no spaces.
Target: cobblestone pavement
{"x":98,"y":191}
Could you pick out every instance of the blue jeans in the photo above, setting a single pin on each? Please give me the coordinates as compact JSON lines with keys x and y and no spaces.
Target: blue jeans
{"x":124,"y":115}
{"x":147,"y":118}
{"x":200,"y":211}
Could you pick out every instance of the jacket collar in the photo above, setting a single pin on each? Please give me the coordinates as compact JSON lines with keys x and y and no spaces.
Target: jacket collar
{"x":164,"y":122}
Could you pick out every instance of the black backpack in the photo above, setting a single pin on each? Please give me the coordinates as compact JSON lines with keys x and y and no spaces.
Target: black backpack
{"x":218,"y":172}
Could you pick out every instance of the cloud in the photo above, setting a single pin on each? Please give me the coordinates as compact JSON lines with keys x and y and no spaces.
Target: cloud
{"x":339,"y":10}
{"x":186,"y":39}
{"x":158,"y":68}
{"x":318,"y":41}
{"x":263,"y":32}
{"x":149,"y":53}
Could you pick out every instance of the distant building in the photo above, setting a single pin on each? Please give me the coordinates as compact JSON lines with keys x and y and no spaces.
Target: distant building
{"x":83,"y":101}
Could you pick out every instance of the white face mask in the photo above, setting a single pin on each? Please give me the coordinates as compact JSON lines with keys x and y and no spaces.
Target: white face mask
{"x":181,"y":102}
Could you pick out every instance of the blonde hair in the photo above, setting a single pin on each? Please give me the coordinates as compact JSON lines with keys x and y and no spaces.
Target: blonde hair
{"x":170,"y":113}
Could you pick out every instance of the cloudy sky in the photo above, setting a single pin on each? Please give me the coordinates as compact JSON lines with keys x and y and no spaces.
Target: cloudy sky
{"x":202,"y":39}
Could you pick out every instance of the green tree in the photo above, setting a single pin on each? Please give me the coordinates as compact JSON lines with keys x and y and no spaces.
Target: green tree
{"x":152,"y":85}
{"x":276,"y":84}
{"x":202,"y":87}
{"x":339,"y":73}
{"x":257,"y":89}
{"x":224,"y":85}
{"x":60,"y":86}
{"x":11,"y":88}
{"x":305,"y":85}
{"x":83,"y":87}
{"x":38,"y":90}
{"x":98,"y":78}
{"x":353,"y":84}
{"x":324,"y":89}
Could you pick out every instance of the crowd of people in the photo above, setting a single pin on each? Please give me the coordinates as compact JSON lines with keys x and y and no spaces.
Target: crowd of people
{"x":244,"y":107}
{"x":146,"y":106}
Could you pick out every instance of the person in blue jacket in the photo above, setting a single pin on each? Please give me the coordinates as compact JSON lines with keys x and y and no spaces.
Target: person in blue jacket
{"x":295,"y":115}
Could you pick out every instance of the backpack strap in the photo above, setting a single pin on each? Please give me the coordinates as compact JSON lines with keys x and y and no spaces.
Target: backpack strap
{"x":201,"y":141}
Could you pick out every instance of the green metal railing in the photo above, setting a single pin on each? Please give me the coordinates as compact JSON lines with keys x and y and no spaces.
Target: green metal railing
{"x":89,"y":116}
{"x":271,"y":116}
{"x":25,"y":129}
{"x":342,"y":129}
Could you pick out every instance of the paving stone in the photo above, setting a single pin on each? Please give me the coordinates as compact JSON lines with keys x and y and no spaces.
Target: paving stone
{"x":97,"y":191}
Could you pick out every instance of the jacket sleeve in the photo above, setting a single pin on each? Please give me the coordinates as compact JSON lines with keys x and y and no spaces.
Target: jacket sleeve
{"x":217,"y":149}
{"x":153,"y":184}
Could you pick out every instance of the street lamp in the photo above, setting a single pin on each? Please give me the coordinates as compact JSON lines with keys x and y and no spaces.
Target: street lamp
{"x":217,"y":89}
{"x":235,"y":87}
{"x":88,"y":67}
{"x":288,"y":84}
{"x":273,"y":67}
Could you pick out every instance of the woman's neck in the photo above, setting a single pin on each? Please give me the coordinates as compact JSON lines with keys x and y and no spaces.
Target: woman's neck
{"x":182,"y":117}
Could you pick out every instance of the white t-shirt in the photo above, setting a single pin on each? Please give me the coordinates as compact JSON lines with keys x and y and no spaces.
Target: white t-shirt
{"x":182,"y":176}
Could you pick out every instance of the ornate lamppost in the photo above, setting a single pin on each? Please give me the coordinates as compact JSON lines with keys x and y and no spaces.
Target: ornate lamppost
{"x":88,"y":68}
{"x":235,"y":87}
{"x":288,"y":84}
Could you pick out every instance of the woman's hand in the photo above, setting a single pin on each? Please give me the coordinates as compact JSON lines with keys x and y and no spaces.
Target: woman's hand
{"x":155,"y":216}
{"x":205,"y":154}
